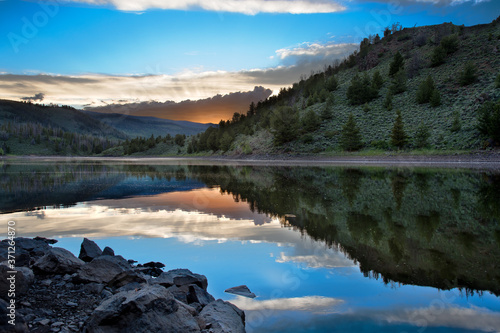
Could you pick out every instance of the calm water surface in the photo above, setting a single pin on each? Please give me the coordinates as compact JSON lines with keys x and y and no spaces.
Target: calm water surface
{"x":326,"y":249}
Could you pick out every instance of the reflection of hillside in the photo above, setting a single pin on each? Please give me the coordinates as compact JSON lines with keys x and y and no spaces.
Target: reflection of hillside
{"x":432,"y":228}
{"x":435,"y":228}
{"x":31,"y":186}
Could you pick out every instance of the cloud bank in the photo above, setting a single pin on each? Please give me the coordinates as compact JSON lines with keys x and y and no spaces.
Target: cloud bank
{"x":95,"y":90}
{"x":204,"y":110}
{"x":248,"y":7}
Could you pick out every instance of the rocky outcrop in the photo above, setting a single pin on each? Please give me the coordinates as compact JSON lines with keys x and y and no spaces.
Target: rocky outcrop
{"x":57,"y":292}
{"x":58,"y":260}
{"x":102,"y":269}
{"x":89,"y":250}
{"x":149,"y":309}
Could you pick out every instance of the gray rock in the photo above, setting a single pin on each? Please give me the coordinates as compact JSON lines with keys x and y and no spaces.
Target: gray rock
{"x":6,"y":314}
{"x":223,"y":317}
{"x":108,"y":251}
{"x":165,"y":280}
{"x":93,"y":288}
{"x":182,"y":277}
{"x":151,"y":309}
{"x":198,"y":295}
{"x":241,"y":290}
{"x":72,"y":304}
{"x":102,"y":269}
{"x":154,"y":264}
{"x":24,"y":278}
{"x":44,"y":322}
{"x":89,"y":250}
{"x":58,"y":260}
{"x":124,"y":278}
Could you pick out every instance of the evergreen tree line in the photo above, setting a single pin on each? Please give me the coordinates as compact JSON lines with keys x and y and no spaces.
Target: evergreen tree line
{"x":61,"y":141}
{"x":141,"y":144}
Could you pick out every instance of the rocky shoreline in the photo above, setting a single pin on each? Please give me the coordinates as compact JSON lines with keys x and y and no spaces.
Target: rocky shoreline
{"x":103,"y":292}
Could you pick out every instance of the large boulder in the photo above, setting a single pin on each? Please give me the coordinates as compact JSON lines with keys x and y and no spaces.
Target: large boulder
{"x":58,"y":261}
{"x":23,"y":279}
{"x":150,"y":309}
{"x":198,"y":295}
{"x":89,"y":250}
{"x":182,"y":277}
{"x":223,"y":317}
{"x":102,"y":269}
{"x":126,"y":277}
{"x":108,"y":251}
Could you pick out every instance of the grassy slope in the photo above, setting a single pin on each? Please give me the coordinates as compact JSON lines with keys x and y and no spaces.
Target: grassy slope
{"x":376,"y":124}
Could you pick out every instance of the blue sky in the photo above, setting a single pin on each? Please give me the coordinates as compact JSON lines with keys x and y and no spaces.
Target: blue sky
{"x":208,"y":47}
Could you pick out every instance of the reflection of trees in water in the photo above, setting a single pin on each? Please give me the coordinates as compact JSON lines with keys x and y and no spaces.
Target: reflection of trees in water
{"x":426,"y":227}
{"x":399,"y":182}
{"x":350,"y":183}
{"x":427,"y":224}
{"x":361,"y":213}
{"x":489,"y":196}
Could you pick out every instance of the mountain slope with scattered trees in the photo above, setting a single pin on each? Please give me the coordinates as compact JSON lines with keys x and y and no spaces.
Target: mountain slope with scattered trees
{"x":422,"y":88}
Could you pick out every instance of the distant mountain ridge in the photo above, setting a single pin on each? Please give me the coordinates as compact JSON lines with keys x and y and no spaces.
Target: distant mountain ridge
{"x":111,"y":125}
{"x":135,"y":126}
{"x":65,"y":118}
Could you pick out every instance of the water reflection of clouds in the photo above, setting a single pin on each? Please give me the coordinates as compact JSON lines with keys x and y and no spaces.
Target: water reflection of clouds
{"x":315,"y":255}
{"x":392,"y":319}
{"x":314,"y":304}
{"x":191,"y":217}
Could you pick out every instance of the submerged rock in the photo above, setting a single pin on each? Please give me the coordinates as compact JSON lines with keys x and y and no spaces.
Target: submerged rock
{"x":89,"y":250}
{"x":241,"y":290}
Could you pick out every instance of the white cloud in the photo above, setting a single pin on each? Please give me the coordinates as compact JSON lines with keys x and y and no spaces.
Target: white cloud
{"x":317,"y":49}
{"x":248,"y":7}
{"x":313,"y":304}
{"x":100,"y":90}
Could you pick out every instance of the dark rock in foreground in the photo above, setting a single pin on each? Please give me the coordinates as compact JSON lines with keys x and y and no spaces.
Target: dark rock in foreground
{"x":89,"y":250}
{"x":57,"y":292}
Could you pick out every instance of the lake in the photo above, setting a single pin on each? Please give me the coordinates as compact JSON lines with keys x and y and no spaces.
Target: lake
{"x":325,"y":248}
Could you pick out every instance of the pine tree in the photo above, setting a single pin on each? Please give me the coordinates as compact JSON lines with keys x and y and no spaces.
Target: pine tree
{"x":398,"y":63}
{"x":332,"y":83}
{"x":468,"y":75}
{"x":350,"y":139}
{"x":422,"y":136}
{"x":497,"y":81}
{"x":398,"y":135}
{"x":456,"y":125}
{"x":377,"y":80}
{"x":284,"y":123}
{"x":388,"y":100}
{"x":425,"y":90}
{"x":327,"y":112}
{"x":438,"y":56}
{"x":435,"y":99}
{"x":399,"y":83}
{"x":310,"y":122}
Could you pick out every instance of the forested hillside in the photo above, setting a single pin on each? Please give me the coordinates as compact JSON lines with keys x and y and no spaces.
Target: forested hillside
{"x":422,"y":88}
